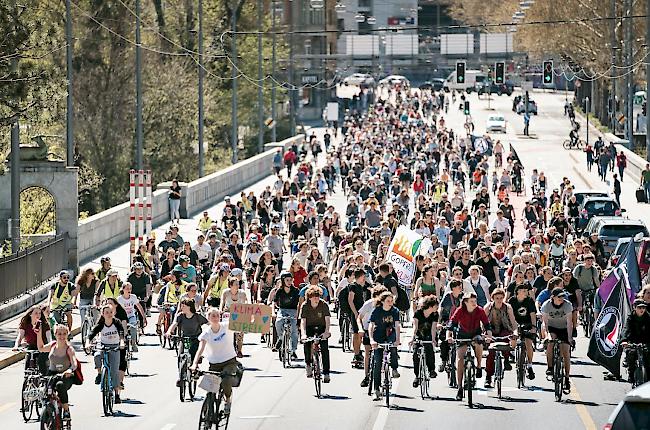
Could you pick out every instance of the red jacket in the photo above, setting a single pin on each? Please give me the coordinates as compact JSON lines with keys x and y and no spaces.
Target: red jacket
{"x":289,"y":157}
{"x":469,"y":322}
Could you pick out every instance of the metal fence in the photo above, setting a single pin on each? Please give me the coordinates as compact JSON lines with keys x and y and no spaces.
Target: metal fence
{"x":30,"y":267}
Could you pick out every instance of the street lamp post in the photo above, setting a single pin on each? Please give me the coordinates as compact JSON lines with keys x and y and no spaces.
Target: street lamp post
{"x":138,"y":88}
{"x":587,"y":116}
{"x":234,"y":137}
{"x":69,"y":130}
{"x":200,"y":101}
{"x":273,"y":84}
{"x":260,"y":94}
{"x":15,"y":187}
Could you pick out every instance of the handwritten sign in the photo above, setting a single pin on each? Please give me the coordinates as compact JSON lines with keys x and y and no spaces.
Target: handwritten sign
{"x":250,"y":318}
{"x":403,"y":249}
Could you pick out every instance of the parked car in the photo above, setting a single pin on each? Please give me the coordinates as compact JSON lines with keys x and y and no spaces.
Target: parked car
{"x":642,"y":252}
{"x":493,"y":88}
{"x":597,"y":206}
{"x":434,"y":84}
{"x":633,"y":412}
{"x":360,"y":79}
{"x":582,"y":194}
{"x":495,"y":122}
{"x":532,"y":107}
{"x":610,"y":229}
{"x":394,"y":80}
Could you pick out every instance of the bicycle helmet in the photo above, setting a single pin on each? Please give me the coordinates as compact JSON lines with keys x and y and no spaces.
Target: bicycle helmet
{"x":557,"y":236}
{"x":137,"y":265}
{"x":183,"y":258}
{"x":105,"y":260}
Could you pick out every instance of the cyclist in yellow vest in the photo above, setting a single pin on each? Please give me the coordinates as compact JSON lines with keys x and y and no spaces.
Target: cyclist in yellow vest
{"x":204,"y":223}
{"x":217,"y":284}
{"x":60,"y":298}
{"x":171,"y":294}
{"x":109,"y":288}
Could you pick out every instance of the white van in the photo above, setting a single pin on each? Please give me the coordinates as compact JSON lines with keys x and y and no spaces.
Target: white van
{"x":471,"y":78}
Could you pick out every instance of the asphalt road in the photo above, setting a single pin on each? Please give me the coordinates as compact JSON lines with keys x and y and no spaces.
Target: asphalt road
{"x":271,"y":397}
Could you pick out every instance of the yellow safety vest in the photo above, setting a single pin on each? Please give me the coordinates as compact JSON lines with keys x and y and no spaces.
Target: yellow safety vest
{"x":64,"y":299}
{"x":172,"y":295}
{"x":108,"y":292}
{"x":218,"y":287}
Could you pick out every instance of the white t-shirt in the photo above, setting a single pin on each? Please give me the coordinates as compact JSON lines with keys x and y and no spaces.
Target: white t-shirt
{"x":128,"y":304}
{"x":365,"y":312}
{"x":219,"y":346}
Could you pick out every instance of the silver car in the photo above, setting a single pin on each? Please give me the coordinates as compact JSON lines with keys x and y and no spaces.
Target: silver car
{"x":633,"y":412}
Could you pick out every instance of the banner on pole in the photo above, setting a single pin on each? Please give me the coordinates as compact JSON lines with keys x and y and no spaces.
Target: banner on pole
{"x":250,"y":318}
{"x":403,"y":249}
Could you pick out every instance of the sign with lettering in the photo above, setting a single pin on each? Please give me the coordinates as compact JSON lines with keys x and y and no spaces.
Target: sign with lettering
{"x":250,"y":318}
{"x":402,"y":251}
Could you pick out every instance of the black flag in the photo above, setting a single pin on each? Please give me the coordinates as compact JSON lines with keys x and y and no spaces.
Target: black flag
{"x":604,"y":345}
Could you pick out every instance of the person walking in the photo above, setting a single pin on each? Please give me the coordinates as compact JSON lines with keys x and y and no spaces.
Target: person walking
{"x":612,"y":155}
{"x":621,"y":163}
{"x":175,"y":201}
{"x":645,"y":181}
{"x":617,"y":190}
{"x":590,"y":157}
{"x":604,"y":161}
{"x":526,"y":123}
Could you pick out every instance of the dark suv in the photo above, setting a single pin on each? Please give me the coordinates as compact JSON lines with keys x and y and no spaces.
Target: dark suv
{"x":610,"y":229}
{"x":597,"y":206}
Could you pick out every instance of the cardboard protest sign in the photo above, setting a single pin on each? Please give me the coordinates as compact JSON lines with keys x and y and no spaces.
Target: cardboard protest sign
{"x":250,"y":318}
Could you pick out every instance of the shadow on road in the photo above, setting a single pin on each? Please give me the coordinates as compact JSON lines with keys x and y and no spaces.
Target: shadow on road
{"x":334,"y":397}
{"x":518,"y":400}
{"x":580,"y":402}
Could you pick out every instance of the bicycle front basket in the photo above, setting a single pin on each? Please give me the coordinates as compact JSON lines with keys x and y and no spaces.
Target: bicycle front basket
{"x":210,"y":383}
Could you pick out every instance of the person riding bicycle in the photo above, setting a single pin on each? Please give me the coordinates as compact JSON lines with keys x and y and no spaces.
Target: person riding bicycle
{"x":503,"y":323}
{"x":637,"y":330}
{"x":384,"y":328}
{"x":285,"y":297}
{"x":556,"y":253}
{"x":217,"y":284}
{"x":574,"y":136}
{"x":315,"y":321}
{"x":130,"y":302}
{"x":469,"y":321}
{"x":27,"y":337}
{"x":60,"y":298}
{"x":217,"y":341}
{"x":189,"y":324}
{"x":109,"y":287}
{"x":557,"y":323}
{"x":425,"y":324}
{"x":62,"y":362}
{"x":142,"y":285}
{"x":111,"y":335}
{"x":587,"y":274}
{"x":363,"y":322}
{"x":171,"y":294}
{"x":448,"y":305}
{"x":523,"y":307}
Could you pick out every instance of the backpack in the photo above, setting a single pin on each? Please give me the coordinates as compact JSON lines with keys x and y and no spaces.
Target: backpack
{"x":402,"y":300}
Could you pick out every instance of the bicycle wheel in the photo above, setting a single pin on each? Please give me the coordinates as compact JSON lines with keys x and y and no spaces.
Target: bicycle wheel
{"x":423,"y":376}
{"x":107,"y":393}
{"x":580,"y":144}
{"x":222,"y":417}
{"x":182,"y":374}
{"x":557,"y":374}
{"x":85,"y":331}
{"x":639,"y":375}
{"x":207,"y":412}
{"x":521,"y":354}
{"x":163,"y":339}
{"x":26,"y":407}
{"x":345,"y":334}
{"x":469,"y":383}
{"x":566,"y":144}
{"x":317,"y":373}
{"x":49,"y":418}
{"x":451,"y":368}
{"x":191,"y":386}
{"x":286,"y":348}
{"x":371,"y":364}
{"x":498,"y":375}
{"x":387,"y":385}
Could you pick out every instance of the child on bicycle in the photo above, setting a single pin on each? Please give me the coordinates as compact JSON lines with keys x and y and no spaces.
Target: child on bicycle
{"x":384,"y":328}
{"x":111,"y":335}
{"x":315,"y":321}
{"x":425,"y":323}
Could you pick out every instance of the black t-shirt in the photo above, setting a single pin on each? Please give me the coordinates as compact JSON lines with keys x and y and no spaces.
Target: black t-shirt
{"x":139,"y":284}
{"x":571,"y":290}
{"x":456,"y":235}
{"x":299,"y":230}
{"x":464,"y":266}
{"x":522,"y":310}
{"x":233,"y":250}
{"x":359,"y":294}
{"x":425,"y":324}
{"x":176,"y":189}
{"x":539,"y":284}
{"x":288,"y":300}
{"x":512,"y":287}
{"x":488,"y":268}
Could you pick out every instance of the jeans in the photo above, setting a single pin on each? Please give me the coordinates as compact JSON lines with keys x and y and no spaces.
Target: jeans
{"x":133,"y":331}
{"x":324,"y":348}
{"x":646,"y":187}
{"x":113,"y":364}
{"x":279,"y":325}
{"x":378,"y":356}
{"x":174,"y":207}
{"x":621,"y":169}
{"x":82,"y":310}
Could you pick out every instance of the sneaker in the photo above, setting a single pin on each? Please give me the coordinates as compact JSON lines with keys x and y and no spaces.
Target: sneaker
{"x":377,"y":395}
{"x":326,"y":378}
{"x":178,"y":383}
{"x":121,"y":385}
{"x":530,"y":373}
{"x":459,"y":394}
{"x":365,"y":382}
{"x":117,"y":399}
{"x":395,"y":373}
{"x":507,"y":366}
{"x":240,"y":355}
{"x":488,"y":382}
{"x":432,"y":374}
{"x":340,"y":341}
{"x":549,"y":371}
{"x":98,"y":379}
{"x":134,"y":348}
{"x":567,"y":385}
{"x":309,"y":370}
{"x":416,"y":383}
{"x":479,"y":373}
{"x":226,"y":408}
{"x":294,"y":356}
{"x":442,"y":367}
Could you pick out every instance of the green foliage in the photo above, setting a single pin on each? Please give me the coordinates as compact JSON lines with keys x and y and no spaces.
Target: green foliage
{"x":37,"y":210}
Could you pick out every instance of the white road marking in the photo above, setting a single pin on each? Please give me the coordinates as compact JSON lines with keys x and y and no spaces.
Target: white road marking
{"x":259,"y":417}
{"x":169,"y":426}
{"x":382,"y":416}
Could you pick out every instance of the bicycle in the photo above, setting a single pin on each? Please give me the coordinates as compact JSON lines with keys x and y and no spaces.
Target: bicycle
{"x":285,"y":348}
{"x":387,"y":382}
{"x":213,"y":409}
{"x":423,"y":371}
{"x":640,"y":376}
{"x":587,"y":318}
{"x":86,"y":327}
{"x":52,"y":407}
{"x":521,"y":357}
{"x":106,"y":384}
{"x":187,"y":382}
{"x":165,"y":323}
{"x":469,"y":380}
{"x":128,"y":345}
{"x":568,"y":144}
{"x":558,"y":369}
{"x":32,"y":389}
{"x":499,"y":348}
{"x":346,"y":333}
{"x":450,"y":368}
{"x":316,"y":362}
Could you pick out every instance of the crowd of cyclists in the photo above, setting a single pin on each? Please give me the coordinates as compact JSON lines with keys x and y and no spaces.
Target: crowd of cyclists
{"x":398,"y":164}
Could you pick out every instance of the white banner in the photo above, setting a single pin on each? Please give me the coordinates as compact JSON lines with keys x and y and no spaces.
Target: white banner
{"x":403,"y":249}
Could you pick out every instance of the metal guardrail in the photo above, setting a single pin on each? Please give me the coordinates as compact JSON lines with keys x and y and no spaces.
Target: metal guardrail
{"x":30,"y":267}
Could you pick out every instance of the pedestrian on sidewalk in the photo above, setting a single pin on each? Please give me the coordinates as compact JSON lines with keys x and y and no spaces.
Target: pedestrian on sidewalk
{"x":612,"y":154}
{"x":617,"y":190}
{"x":621,"y":163}
{"x":526,"y":123}
{"x":645,"y":181}
{"x":604,"y":160}
{"x":590,"y":157}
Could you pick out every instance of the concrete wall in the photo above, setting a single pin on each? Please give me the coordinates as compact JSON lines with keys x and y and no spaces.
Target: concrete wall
{"x":635,"y":163}
{"x":110,"y":228}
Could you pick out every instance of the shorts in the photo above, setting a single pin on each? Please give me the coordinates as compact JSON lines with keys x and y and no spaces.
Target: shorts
{"x":214,"y":302}
{"x":560,"y":333}
{"x":366,"y":339}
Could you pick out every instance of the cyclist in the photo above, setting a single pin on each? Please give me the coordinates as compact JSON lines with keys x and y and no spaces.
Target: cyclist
{"x":189,"y":324}
{"x":425,"y":323}
{"x":384,"y":327}
{"x":469,"y":321}
{"x":217,"y":284}
{"x":105,"y":266}
{"x":363,"y":322}
{"x":130,"y":303}
{"x":188,"y":271}
{"x":315,"y":321}
{"x":87,"y":285}
{"x":142,"y":284}
{"x":170,"y":295}
{"x":60,"y":298}
{"x":62,"y":361}
{"x":557,"y":323}
{"x":450,"y":302}
{"x":357,"y":294}
{"x":234,"y":295}
{"x":218,"y":344}
{"x":637,"y":330}
{"x":111,"y":335}
{"x":526,"y":317}
{"x":587,"y":274}
{"x":109,"y":287}
{"x":503,"y":323}
{"x":286,"y":297}
{"x":27,"y":335}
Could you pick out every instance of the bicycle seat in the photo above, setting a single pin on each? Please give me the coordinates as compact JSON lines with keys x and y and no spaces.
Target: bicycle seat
{"x":500,"y":346}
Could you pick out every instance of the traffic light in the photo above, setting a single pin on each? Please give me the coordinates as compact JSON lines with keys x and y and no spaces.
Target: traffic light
{"x":499,"y":72}
{"x":466,"y":107}
{"x":460,"y":72}
{"x":548,"y":72}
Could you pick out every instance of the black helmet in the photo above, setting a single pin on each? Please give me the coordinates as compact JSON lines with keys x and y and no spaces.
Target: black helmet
{"x":285,"y":274}
{"x":183,"y":258}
